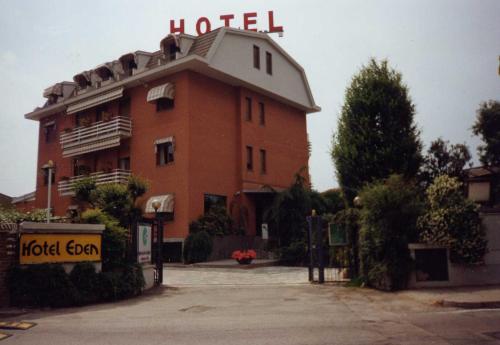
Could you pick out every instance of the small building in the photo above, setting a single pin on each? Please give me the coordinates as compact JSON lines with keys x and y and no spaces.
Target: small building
{"x":214,"y":119}
{"x":5,"y":201}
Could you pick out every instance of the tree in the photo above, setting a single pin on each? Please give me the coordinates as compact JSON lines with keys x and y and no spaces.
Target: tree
{"x":334,"y":199}
{"x":444,"y":159}
{"x":487,"y":126}
{"x":453,"y":221}
{"x":376,"y":134}
{"x":388,"y":224}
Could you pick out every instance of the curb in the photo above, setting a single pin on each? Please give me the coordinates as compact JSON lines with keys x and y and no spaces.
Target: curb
{"x":469,"y":305}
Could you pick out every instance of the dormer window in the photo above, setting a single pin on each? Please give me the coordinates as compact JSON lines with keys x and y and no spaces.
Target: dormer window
{"x":128,"y":64}
{"x":82,"y":81}
{"x":172,"y":51}
{"x":104,"y":72}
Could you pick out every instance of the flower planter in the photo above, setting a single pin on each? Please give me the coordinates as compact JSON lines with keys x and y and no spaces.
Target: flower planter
{"x":246,"y":261}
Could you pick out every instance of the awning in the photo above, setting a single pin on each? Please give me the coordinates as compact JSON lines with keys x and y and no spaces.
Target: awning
{"x":163,"y":91}
{"x":166,"y":203}
{"x":95,"y":101}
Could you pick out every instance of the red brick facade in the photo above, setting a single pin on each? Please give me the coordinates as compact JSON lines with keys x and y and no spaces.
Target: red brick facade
{"x":211,"y":132}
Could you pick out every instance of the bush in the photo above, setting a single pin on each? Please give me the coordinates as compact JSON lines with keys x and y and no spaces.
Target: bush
{"x":216,"y":222}
{"x":114,"y":238}
{"x":11,"y":215}
{"x":294,"y":254}
{"x":41,"y":285}
{"x":453,"y":221}
{"x":48,"y":285}
{"x":197,"y":247}
{"x":388,"y":224}
{"x":85,"y":279}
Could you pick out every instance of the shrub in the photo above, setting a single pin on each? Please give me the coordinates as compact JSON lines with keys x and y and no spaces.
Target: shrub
{"x":453,"y":221}
{"x":197,"y":247}
{"x":41,"y":285}
{"x":216,"y":222}
{"x":294,"y":254}
{"x":11,"y":215}
{"x":388,"y":224}
{"x":48,"y":285}
{"x":85,"y":279}
{"x":114,"y":238}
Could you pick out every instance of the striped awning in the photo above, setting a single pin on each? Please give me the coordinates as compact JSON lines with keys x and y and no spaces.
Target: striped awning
{"x":166,"y":203}
{"x":163,"y":91}
{"x":96,"y":100}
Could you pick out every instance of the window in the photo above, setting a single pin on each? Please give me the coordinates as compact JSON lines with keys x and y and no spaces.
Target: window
{"x":172,"y":52}
{"x":269,"y":63}
{"x":46,"y":177}
{"x":124,"y":107}
{"x":248,"y":112}
{"x":164,"y":104}
{"x":256,"y":57}
{"x":164,"y":153}
{"x":212,"y":200}
{"x":249,"y":158}
{"x":263,"y":167}
{"x":262,"y":114}
{"x":50,"y":131}
{"x":124,"y":163}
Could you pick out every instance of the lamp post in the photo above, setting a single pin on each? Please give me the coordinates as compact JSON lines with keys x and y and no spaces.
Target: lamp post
{"x":49,"y":167}
{"x":159,"y":241}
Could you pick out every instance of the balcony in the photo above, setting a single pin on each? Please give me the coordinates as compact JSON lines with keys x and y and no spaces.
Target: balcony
{"x":66,"y":187}
{"x":98,"y":136}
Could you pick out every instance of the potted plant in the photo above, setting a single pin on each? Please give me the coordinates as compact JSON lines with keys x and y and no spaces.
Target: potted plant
{"x":244,"y":257}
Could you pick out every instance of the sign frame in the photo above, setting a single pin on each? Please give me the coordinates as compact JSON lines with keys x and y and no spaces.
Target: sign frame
{"x":144,"y":234}
{"x":337,"y":236}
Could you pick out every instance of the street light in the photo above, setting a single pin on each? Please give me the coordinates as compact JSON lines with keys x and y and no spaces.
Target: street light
{"x":357,"y":201}
{"x":159,"y":241}
{"x":49,"y":167}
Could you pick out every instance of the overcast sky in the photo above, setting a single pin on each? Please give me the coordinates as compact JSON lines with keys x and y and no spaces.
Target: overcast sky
{"x":447,"y":51}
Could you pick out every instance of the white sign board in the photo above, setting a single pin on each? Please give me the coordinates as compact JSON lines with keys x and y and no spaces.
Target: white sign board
{"x":265,"y":231}
{"x":143,"y":243}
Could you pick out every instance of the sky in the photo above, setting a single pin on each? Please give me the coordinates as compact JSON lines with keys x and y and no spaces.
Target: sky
{"x":447,"y":51}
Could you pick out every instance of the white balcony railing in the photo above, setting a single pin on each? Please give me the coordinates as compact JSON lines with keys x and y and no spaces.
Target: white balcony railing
{"x":98,"y":136}
{"x":66,"y":187}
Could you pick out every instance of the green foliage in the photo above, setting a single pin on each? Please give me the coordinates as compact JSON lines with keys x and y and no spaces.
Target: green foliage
{"x":137,"y":187}
{"x":444,"y":159}
{"x":376,"y":134}
{"x":289,"y":211}
{"x":294,"y":254}
{"x":216,"y":222}
{"x":388,"y":224}
{"x":114,"y":238}
{"x":453,"y":221}
{"x":487,"y":127}
{"x":197,"y":247}
{"x":348,"y":219}
{"x":85,"y":189}
{"x":41,"y":285}
{"x":11,"y":215}
{"x":50,"y":286}
{"x":117,"y":200}
{"x":334,"y":199}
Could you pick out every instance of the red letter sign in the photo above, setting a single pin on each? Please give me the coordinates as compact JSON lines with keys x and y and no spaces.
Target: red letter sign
{"x":273,"y":28}
{"x":247,"y":21}
{"x":208,"y":27}
{"x":227,"y":18}
{"x":173,"y":29}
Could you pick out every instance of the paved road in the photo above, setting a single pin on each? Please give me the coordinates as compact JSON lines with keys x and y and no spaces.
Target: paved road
{"x":219,"y":312}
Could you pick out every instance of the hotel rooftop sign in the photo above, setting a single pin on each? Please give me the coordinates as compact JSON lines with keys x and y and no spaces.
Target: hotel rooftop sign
{"x":204,"y":25}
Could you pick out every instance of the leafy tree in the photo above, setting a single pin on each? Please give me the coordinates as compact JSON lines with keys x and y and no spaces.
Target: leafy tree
{"x":452,"y":220}
{"x":376,"y":134}
{"x":388,"y":224}
{"x":114,"y":238}
{"x":444,"y":159}
{"x":216,"y":222}
{"x":289,"y":211}
{"x":334,"y":199}
{"x":116,"y":200}
{"x":487,"y":126}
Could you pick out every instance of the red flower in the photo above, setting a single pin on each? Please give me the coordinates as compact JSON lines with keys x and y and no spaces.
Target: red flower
{"x":244,"y":254}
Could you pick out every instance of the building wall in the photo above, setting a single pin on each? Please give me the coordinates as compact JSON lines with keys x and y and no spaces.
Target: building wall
{"x":211,"y":134}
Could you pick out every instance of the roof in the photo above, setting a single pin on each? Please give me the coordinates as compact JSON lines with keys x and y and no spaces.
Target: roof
{"x":482,"y":171}
{"x":203,"y":49}
{"x":203,"y":43}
